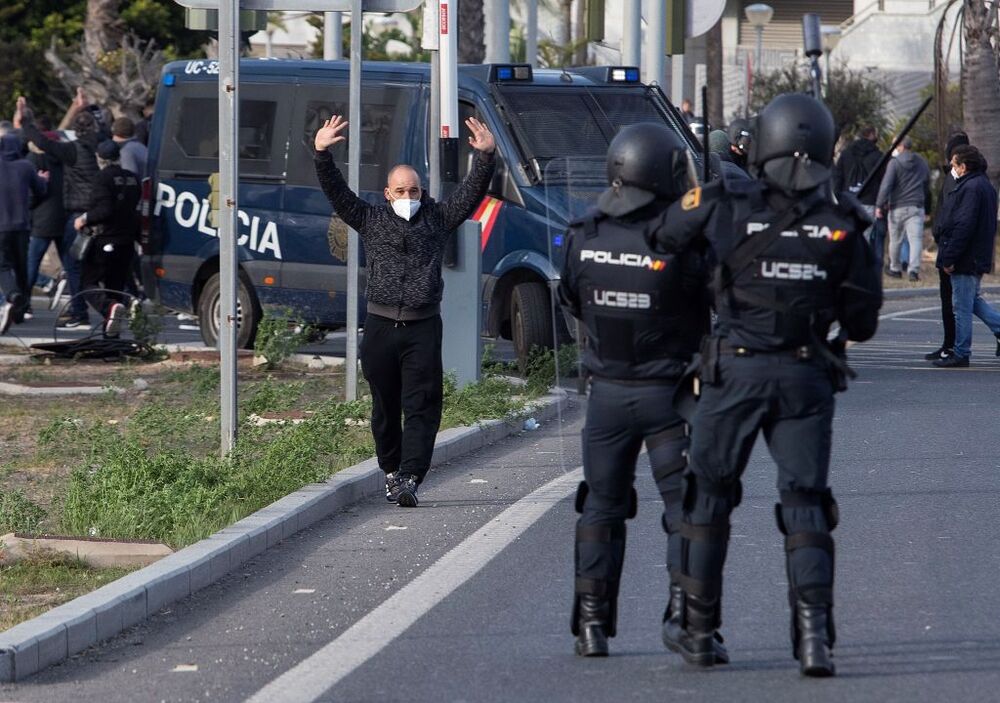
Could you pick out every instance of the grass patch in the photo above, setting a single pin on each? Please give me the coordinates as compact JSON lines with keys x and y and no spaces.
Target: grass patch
{"x":43,"y":581}
{"x":17,"y":513}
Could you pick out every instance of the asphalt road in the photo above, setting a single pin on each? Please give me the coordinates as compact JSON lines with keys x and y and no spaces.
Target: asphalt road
{"x":916,"y":471}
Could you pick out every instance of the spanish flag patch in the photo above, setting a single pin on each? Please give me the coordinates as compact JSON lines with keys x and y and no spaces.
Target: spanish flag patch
{"x":838,"y":235}
{"x":691,"y":199}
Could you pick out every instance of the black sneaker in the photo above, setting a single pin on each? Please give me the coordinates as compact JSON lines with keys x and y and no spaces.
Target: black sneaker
{"x":392,"y":485}
{"x":942,"y":353}
{"x":70,"y":322}
{"x":952,"y":362}
{"x":113,"y":325}
{"x":893,"y":274}
{"x":407,"y":496}
{"x":6,"y":316}
{"x":914,"y":276}
{"x":29,"y":314}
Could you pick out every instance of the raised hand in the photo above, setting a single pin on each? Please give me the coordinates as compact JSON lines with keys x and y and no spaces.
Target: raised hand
{"x":481,"y":139}
{"x":329,"y":133}
{"x":80,"y":101}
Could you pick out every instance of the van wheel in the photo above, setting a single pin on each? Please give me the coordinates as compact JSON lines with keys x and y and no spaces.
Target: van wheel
{"x":530,"y":319}
{"x":247,"y":313}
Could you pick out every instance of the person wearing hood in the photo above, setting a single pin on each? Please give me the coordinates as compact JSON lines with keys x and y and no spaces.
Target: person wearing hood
{"x":404,"y":241}
{"x":904,"y":196}
{"x":767,"y":367}
{"x":19,"y":181}
{"x":856,"y":163}
{"x":967,"y":230}
{"x":80,"y":170}
{"x":719,"y":145}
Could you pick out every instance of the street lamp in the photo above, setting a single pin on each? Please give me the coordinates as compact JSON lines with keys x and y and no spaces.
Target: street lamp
{"x":758,"y":15}
{"x":831,"y":37}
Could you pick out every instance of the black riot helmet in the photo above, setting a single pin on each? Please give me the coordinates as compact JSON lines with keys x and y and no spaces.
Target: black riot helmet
{"x":646,"y":161}
{"x":793,"y":143}
{"x":740,"y":135}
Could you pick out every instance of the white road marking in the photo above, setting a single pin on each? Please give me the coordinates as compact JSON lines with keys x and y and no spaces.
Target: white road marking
{"x":316,"y":675}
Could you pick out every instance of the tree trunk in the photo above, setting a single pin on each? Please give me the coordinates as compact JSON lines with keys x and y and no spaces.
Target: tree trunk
{"x":102,"y":29}
{"x":981,"y":84}
{"x":565,"y":36}
{"x":471,"y":27}
{"x":580,"y":41}
{"x":713,"y":69}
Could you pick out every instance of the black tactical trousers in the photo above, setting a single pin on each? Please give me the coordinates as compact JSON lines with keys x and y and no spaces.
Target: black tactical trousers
{"x":620,"y":418}
{"x":402,"y":363}
{"x":792,"y":402}
{"x":102,"y":271}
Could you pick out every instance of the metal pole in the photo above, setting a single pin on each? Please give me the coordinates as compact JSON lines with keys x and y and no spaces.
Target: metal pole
{"x":656,"y":42}
{"x":229,"y":122}
{"x":333,"y":36}
{"x":531,"y":33}
{"x":632,"y":33}
{"x":435,"y":143}
{"x":760,"y":49}
{"x":450,"y":127}
{"x":354,"y":181}
{"x":828,"y":73}
{"x":498,"y":42}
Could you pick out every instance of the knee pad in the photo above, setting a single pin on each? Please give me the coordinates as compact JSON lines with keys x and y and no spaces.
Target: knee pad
{"x":583,"y":490}
{"x":668,"y":458}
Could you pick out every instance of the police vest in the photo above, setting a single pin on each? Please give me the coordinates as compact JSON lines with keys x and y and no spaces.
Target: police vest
{"x":788,"y":295}
{"x":644,"y":317}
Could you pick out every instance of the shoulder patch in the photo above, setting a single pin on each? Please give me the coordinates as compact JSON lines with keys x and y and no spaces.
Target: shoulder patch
{"x":691,"y":199}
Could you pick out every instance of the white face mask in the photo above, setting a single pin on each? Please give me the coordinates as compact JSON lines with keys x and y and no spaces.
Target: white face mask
{"x":895,"y":152}
{"x":405,"y":208}
{"x":954,"y":173}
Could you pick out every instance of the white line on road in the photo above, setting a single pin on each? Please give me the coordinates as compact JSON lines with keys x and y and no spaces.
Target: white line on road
{"x":313,"y":677}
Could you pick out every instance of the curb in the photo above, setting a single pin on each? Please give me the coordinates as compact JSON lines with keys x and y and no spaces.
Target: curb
{"x":54,"y":636}
{"x":923,"y":291}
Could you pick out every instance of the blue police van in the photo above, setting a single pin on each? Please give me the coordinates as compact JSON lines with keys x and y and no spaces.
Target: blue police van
{"x":292,"y":252}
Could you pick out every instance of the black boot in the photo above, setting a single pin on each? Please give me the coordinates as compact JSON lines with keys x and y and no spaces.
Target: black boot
{"x":696,"y":641}
{"x":813,"y":634}
{"x":673,"y":624}
{"x":593,"y":621}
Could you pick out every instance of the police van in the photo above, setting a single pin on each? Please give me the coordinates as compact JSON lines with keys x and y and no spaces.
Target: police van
{"x":292,"y":252}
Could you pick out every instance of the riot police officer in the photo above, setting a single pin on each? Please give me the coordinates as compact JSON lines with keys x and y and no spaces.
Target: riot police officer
{"x":644,"y":314}
{"x":791,"y":262}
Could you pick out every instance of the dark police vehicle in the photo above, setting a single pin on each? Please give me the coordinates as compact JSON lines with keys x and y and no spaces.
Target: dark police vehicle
{"x":292,"y":253}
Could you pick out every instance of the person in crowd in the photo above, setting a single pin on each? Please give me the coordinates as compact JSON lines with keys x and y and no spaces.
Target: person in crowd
{"x":904,"y":196}
{"x":740,"y":140}
{"x":856,"y":163}
{"x":404,"y":242}
{"x":967,"y":229}
{"x":687,"y":110}
{"x":133,"y":151}
{"x":19,"y":181}
{"x":947,"y":347}
{"x":113,"y":218}
{"x":80,"y":170}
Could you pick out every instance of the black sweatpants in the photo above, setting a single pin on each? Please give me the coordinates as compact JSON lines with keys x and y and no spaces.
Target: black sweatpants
{"x":103,"y":269}
{"x":620,"y":418}
{"x":947,"y":312}
{"x":14,"y":266}
{"x":792,"y":403}
{"x":402,"y":363}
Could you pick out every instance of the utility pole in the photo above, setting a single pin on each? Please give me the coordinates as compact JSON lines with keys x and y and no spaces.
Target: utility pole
{"x":333,"y":36}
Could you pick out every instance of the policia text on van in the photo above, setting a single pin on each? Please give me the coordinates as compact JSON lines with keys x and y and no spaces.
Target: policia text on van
{"x":292,"y":252}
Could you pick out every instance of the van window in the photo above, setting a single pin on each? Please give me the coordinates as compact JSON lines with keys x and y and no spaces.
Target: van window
{"x":191,"y":139}
{"x":576,"y":121}
{"x":384,"y":115}
{"x":200,"y":137}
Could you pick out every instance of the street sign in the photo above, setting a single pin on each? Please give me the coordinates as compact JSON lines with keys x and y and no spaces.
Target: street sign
{"x":310,"y":5}
{"x":702,"y":16}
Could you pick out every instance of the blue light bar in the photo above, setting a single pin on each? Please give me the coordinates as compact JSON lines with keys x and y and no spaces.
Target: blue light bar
{"x":623,"y":74}
{"x":510,"y":72}
{"x":169,"y":79}
{"x":505,"y":73}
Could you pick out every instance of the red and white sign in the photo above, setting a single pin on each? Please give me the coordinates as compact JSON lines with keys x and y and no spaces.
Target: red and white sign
{"x":444,"y":18}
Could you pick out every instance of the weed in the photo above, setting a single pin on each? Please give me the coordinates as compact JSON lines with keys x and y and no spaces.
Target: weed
{"x":17,"y":513}
{"x":279,"y":335}
{"x":201,"y":379}
{"x":271,"y":396}
{"x":145,"y":328}
{"x":542,"y":366}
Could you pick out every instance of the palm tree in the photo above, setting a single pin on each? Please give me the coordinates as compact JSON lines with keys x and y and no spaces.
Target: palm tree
{"x":981,"y":81}
{"x":471,"y":42}
{"x":102,"y":28}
